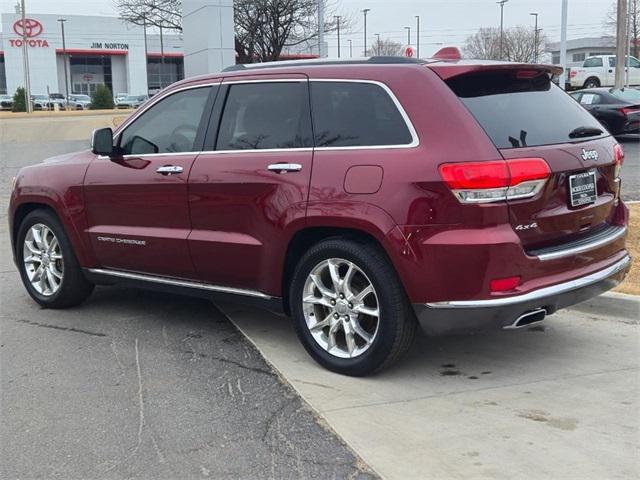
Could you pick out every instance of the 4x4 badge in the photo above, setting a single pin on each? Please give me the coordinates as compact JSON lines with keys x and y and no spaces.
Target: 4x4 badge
{"x":589,"y":154}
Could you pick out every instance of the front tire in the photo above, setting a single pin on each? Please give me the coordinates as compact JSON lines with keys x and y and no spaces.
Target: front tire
{"x":48,"y":267}
{"x":349,"y":309}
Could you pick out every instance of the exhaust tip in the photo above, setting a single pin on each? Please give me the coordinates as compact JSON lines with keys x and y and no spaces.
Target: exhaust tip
{"x":528,"y":318}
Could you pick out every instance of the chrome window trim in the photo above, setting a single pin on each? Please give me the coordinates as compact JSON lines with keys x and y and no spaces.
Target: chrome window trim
{"x":180,"y":283}
{"x":583,"y":248}
{"x":540,"y":293}
{"x":415,"y":140}
{"x":124,"y":125}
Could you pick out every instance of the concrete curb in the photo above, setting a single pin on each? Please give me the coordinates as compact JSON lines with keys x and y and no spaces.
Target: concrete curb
{"x":621,"y":306}
{"x":223,"y":308}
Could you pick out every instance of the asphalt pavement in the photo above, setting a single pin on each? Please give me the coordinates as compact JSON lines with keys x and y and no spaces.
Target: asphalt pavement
{"x":631,"y":169}
{"x":136,"y":384}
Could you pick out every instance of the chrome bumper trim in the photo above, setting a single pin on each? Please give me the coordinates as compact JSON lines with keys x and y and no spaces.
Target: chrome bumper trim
{"x":179,"y":283}
{"x":541,"y":293}
{"x":583,"y":248}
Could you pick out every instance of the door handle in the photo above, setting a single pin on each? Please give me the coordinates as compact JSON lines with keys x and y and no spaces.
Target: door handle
{"x":169,"y":169}
{"x":284,"y":167}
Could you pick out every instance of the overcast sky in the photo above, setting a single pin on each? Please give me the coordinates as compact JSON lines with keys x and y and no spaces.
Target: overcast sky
{"x":441,"y":21}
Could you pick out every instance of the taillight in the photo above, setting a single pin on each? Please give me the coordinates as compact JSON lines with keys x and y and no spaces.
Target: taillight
{"x":627,"y":110}
{"x":493,"y":181}
{"x":572,"y":73}
{"x":618,"y":155}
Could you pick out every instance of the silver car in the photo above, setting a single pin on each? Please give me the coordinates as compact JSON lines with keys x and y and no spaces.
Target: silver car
{"x":79,"y":102}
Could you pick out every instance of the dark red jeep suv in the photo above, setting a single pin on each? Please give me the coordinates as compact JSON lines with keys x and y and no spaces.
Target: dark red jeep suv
{"x":359,"y":197}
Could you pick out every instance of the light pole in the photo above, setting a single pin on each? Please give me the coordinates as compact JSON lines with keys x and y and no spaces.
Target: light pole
{"x":337,"y":17}
{"x":535,"y":39}
{"x":418,"y":36}
{"x":501,"y":3}
{"x":563,"y":42}
{"x":364,"y":12}
{"x":377,"y":43}
{"x":64,"y":63}
{"x":408,"y":29}
{"x":25,"y":60}
{"x":350,"y":48}
{"x":320,"y":28}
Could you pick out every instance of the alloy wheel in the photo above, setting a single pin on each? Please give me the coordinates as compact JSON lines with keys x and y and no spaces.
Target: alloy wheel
{"x":341,"y":308}
{"x":43,"y":262}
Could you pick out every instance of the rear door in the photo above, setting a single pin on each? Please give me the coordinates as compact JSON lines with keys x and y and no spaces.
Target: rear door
{"x":527,"y":116}
{"x":249,"y":189}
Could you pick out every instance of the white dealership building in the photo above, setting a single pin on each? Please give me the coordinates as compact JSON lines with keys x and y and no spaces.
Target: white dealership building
{"x":107,"y":50}
{"x":98,"y":50}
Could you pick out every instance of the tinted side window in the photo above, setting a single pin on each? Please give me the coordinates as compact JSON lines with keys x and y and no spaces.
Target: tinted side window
{"x":265,"y":115}
{"x":593,"y":62}
{"x":169,"y":126}
{"x":348,"y":114}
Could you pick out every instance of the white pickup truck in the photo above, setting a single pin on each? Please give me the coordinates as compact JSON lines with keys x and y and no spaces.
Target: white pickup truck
{"x":599,"y":71}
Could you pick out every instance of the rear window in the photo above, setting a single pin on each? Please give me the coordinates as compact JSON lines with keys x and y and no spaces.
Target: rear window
{"x":522,"y":112}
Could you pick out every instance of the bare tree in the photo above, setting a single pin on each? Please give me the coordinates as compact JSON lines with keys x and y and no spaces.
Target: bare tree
{"x":519,"y":45}
{"x":159,"y":13}
{"x":263,"y":28}
{"x":634,"y":31}
{"x":385,"y":47}
{"x":483,"y":45}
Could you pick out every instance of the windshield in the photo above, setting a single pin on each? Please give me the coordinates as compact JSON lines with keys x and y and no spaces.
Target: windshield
{"x":629,"y":94}
{"x":82,"y":97}
{"x":39,"y":97}
{"x":131,"y":98}
{"x":520,"y":110}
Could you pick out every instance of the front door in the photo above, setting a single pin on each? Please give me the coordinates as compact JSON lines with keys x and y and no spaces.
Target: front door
{"x":250,"y":191}
{"x":137,"y":206}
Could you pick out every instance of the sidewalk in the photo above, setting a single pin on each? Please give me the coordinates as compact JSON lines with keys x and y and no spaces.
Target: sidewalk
{"x":558,"y":401}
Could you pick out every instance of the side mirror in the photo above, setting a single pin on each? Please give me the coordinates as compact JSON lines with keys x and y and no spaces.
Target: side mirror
{"x":102,"y":141}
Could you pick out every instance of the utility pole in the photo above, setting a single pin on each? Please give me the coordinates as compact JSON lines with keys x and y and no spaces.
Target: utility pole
{"x":628,"y":42}
{"x":64,"y":65}
{"x":350,"y":48}
{"x":621,"y":38}
{"x":365,"y":11}
{"x":337,"y":17}
{"x":320,"y":28}
{"x":535,"y":39}
{"x":161,"y":59}
{"x":25,"y":60}
{"x":146,"y":50}
{"x":377,"y":43}
{"x":563,"y":43}
{"x":418,"y":36}
{"x":501,"y":3}
{"x":408,"y":29}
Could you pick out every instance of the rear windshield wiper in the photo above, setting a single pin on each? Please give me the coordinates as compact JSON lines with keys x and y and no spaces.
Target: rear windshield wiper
{"x":585,"y":132}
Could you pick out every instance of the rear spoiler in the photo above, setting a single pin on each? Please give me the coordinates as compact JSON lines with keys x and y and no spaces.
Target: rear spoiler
{"x":447,"y":70}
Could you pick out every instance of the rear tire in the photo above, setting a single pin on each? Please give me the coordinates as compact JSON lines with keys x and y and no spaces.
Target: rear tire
{"x":341,"y":331}
{"x":592,"y":82}
{"x":48,"y":267}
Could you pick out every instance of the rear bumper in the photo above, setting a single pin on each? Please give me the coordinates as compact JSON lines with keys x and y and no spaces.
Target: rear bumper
{"x":473,"y":315}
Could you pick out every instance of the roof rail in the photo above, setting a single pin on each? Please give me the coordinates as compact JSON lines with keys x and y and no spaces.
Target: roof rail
{"x":377,"y":60}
